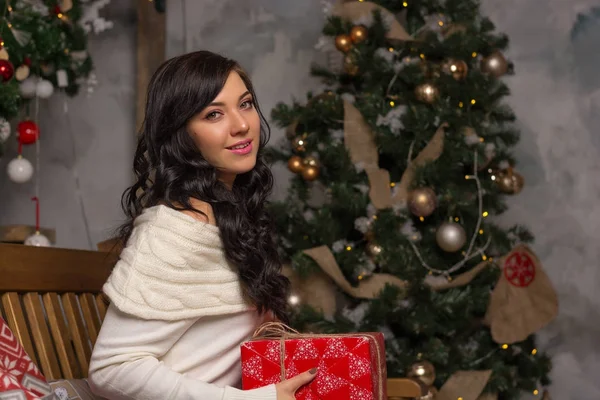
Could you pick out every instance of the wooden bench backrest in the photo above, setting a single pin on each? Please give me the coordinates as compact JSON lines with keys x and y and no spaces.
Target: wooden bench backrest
{"x":51,"y":299}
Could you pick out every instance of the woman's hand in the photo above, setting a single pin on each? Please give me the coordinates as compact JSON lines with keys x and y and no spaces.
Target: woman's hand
{"x":287,"y":388}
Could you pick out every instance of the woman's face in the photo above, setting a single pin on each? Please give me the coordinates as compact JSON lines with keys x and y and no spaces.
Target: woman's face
{"x":227,"y":131}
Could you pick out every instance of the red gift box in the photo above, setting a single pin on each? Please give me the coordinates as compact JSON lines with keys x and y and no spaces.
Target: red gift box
{"x":20,"y":378}
{"x":350,"y":366}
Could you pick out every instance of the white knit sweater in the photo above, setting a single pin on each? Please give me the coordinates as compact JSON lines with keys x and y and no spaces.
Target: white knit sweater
{"x":177,"y":317}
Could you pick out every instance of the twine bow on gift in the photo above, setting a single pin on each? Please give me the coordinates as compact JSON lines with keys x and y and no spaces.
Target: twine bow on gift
{"x":282,"y":332}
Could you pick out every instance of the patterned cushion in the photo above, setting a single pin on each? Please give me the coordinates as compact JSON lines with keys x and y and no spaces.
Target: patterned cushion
{"x":20,"y":378}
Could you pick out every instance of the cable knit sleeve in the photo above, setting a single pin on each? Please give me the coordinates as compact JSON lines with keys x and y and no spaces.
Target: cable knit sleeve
{"x":125,"y":364}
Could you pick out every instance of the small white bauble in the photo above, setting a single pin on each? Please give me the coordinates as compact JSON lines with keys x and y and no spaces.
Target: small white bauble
{"x":4,"y":130}
{"x":44,"y":89}
{"x":19,"y":170}
{"x":37,"y":239}
{"x":28,"y":87}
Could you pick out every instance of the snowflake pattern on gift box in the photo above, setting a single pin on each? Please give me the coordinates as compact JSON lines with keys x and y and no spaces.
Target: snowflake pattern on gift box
{"x":253,"y":368}
{"x":306,"y":350}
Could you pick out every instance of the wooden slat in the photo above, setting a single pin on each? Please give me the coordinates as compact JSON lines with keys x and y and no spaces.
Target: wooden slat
{"x":41,"y":336}
{"x":62,"y":337}
{"x":102,"y":304}
{"x":150,"y":51}
{"x":78,"y":334}
{"x":90,"y":315}
{"x":406,"y":388}
{"x":15,"y":318}
{"x":49,"y":269}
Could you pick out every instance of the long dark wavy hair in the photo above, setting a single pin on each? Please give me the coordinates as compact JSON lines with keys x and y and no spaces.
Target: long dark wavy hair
{"x":169,"y":169}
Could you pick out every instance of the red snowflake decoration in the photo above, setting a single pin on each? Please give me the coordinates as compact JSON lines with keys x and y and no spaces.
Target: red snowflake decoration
{"x":519,"y":269}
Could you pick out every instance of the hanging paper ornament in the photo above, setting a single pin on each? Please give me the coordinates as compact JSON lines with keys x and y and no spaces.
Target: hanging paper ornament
{"x":4,"y":130}
{"x":28,"y":132}
{"x":6,"y":70}
{"x":19,"y":170}
{"x":37,"y":239}
{"x":358,"y":33}
{"x":28,"y":87}
{"x":451,"y":237}
{"x":295,"y":164}
{"x":22,"y":72}
{"x":44,"y":89}
{"x":4,"y":54}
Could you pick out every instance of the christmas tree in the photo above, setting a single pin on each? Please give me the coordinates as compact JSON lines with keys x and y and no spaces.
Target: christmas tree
{"x":401,"y":164}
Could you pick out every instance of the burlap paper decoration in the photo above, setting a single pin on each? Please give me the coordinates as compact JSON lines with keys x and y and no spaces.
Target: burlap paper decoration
{"x":488,"y":396}
{"x":466,"y":385}
{"x":523,"y":301}
{"x":317,"y":290}
{"x":354,"y":10}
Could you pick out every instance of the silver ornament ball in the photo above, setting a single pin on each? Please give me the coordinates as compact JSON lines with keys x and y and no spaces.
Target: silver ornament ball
{"x":451,"y":237}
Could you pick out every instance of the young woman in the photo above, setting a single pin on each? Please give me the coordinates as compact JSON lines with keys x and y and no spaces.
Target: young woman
{"x":199,"y":271}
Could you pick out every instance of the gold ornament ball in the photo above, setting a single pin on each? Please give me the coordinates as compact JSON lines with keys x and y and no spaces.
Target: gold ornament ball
{"x":495,"y":64}
{"x":310,"y":173}
{"x":299,"y":144}
{"x":427,"y":93}
{"x":509,"y":181}
{"x":358,"y":33}
{"x":451,"y":237}
{"x":457,"y":68}
{"x":295,"y":164}
{"x":422,"y":202}
{"x":374,"y":249}
{"x":311,"y":161}
{"x":343,"y":43}
{"x":424,"y":371}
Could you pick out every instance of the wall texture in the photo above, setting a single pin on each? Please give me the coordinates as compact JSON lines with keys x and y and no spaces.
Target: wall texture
{"x":86,"y":152}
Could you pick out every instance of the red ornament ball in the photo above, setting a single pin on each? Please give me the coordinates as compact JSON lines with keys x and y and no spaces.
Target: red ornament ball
{"x":27,"y":61}
{"x":6,"y":70}
{"x":28,"y":132}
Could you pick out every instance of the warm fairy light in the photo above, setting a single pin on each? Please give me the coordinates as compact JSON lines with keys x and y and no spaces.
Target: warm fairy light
{"x":474,"y":54}
{"x":456,"y":219}
{"x":392,"y":184}
{"x":9,"y":25}
{"x":483,"y":257}
{"x":348,"y":248}
{"x":493,"y":177}
{"x":293,"y":299}
{"x":391,"y":49}
{"x":405,"y":4}
{"x":485,"y":214}
{"x":392,"y":103}
{"x":421,"y":219}
{"x":505,"y":346}
{"x":422,"y":56}
{"x":534,"y":352}
{"x":374,"y":216}
{"x":481,"y":139}
{"x":481,"y":231}
{"x":461,"y":104}
{"x":460,"y":398}
{"x":60,"y":15}
{"x":441,"y":23}
{"x":536,"y":392}
{"x":2,"y":43}
{"x":473,"y":101}
{"x":360,"y":277}
{"x":463,"y":253}
{"x":66,"y":51}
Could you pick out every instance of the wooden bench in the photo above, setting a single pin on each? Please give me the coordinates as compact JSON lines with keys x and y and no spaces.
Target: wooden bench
{"x":51,"y":299}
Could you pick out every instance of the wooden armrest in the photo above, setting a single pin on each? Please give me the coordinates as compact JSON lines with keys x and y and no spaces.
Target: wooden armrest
{"x":406,"y":387}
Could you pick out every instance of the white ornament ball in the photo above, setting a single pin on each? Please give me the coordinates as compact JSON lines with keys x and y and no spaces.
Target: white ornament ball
{"x":37,"y":239}
{"x":44,"y":89}
{"x":28,"y":87}
{"x":4,"y":130}
{"x":19,"y":170}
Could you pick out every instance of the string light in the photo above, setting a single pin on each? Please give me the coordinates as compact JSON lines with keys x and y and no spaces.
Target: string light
{"x":474,"y":54}
{"x":9,"y":9}
{"x":483,"y":257}
{"x":294,"y":300}
{"x":392,"y":184}
{"x":473,"y":101}
{"x":360,"y":277}
{"x":460,"y":398}
{"x":2,"y":43}
{"x":422,"y":56}
{"x":9,"y":25}
{"x":461,"y":104}
{"x":534,"y":352}
{"x":421,"y":219}
{"x":392,"y":103}
{"x":481,"y":231}
{"x":405,"y":4}
{"x":60,"y":15}
{"x":391,"y":49}
{"x":536,"y":392}
{"x":485,"y":214}
{"x":481,"y":139}
{"x":348,"y":248}
{"x":456,"y":219}
{"x":505,"y":346}
{"x":441,"y":23}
